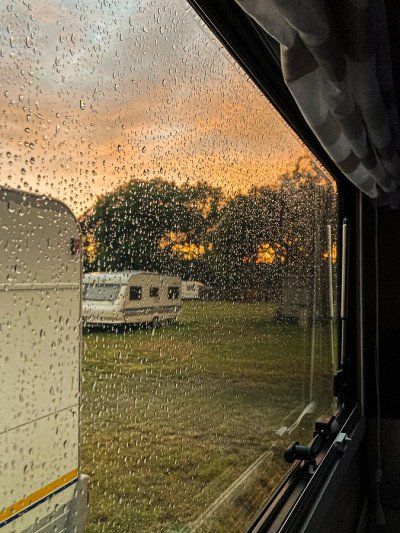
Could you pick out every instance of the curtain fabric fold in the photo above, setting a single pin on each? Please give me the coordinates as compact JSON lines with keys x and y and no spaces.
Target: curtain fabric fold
{"x":335,"y":60}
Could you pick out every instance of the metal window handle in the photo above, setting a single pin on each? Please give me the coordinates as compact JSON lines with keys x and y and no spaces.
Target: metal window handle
{"x":345,"y":248}
{"x":344,"y":288}
{"x":339,"y":380}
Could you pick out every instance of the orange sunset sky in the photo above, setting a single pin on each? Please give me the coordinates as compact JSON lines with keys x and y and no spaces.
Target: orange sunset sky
{"x":93,"y":93}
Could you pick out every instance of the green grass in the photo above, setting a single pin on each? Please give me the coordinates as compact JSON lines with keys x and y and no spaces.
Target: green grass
{"x":171,"y":419}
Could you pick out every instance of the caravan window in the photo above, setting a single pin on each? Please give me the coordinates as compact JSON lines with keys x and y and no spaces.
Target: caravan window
{"x":154,"y":292}
{"x":135,"y":293}
{"x":173,"y":293}
{"x":101,"y":292}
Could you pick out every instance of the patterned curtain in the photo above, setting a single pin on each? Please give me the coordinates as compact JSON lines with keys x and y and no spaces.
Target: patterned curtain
{"x":335,"y":60}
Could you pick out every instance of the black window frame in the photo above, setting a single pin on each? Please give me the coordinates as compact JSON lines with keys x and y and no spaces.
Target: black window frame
{"x":259,"y":56}
{"x":139,"y":292}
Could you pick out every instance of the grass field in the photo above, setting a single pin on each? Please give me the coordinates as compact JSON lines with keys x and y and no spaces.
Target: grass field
{"x":171,"y":418}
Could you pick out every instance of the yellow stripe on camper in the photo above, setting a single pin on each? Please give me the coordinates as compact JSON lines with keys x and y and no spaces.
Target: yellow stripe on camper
{"x":36,"y":496}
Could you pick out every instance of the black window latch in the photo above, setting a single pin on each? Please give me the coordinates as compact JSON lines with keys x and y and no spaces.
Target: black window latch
{"x":308,"y":454}
{"x":325,"y":429}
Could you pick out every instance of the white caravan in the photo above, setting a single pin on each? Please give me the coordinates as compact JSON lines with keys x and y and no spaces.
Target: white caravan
{"x":41,"y":488}
{"x":191,"y":290}
{"x":130,"y":297}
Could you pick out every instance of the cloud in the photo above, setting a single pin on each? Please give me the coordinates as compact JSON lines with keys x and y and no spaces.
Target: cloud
{"x":94,"y":93}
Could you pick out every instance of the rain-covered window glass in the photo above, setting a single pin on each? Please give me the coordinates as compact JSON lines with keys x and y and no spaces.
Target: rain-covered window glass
{"x":182,"y":177}
{"x":101,"y":292}
{"x":135,"y":293}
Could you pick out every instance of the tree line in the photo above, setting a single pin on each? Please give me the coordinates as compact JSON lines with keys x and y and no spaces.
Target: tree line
{"x":200,"y":232}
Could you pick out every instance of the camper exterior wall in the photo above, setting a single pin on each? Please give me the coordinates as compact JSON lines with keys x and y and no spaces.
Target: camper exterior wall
{"x":40,"y":363}
{"x":144,"y":297}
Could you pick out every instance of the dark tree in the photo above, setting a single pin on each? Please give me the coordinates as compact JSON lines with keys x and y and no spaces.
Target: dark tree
{"x":249,"y":242}
{"x":135,"y":226}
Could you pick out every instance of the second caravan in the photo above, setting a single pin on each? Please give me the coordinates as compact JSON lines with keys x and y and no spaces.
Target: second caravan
{"x":130,"y":297}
